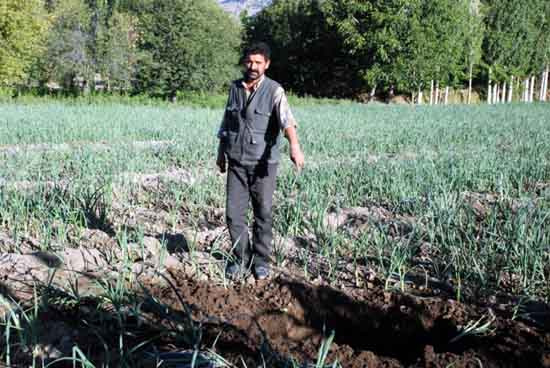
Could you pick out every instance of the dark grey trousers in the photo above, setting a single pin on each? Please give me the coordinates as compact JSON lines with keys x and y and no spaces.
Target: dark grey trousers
{"x":255,"y":183}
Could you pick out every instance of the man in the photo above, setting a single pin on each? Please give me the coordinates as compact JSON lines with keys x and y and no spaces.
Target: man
{"x":257,"y":112}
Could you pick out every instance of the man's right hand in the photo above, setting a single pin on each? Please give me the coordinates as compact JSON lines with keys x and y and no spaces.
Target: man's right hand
{"x":221,"y":160}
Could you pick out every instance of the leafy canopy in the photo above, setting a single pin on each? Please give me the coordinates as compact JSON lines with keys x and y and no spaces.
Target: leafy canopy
{"x":23,"y":24}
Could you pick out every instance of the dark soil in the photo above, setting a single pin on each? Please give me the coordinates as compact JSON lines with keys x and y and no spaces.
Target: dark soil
{"x":289,"y":317}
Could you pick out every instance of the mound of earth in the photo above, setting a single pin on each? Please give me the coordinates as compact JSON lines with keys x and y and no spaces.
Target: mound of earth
{"x":288,"y":316}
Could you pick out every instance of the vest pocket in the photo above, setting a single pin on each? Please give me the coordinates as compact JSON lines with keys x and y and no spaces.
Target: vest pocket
{"x":233,"y":114}
{"x":232,"y":144}
{"x":261,"y":119}
{"x":257,"y":148}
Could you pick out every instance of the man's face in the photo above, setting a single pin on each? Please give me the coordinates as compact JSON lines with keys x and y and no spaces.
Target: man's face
{"x":255,"y":66}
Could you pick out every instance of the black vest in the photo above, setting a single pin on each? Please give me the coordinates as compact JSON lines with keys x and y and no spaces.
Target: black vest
{"x":252,"y":127}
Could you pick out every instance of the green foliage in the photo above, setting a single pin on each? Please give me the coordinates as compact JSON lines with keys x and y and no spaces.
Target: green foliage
{"x":68,"y":54}
{"x":89,"y":37}
{"x":473,"y":34}
{"x":117,"y":50}
{"x":440,"y":34}
{"x":373,"y":33}
{"x":516,"y":41}
{"x":320,"y":48}
{"x":183,"y":98}
{"x":187,"y":45}
{"x":542,"y":39}
{"x":23,"y":24}
{"x":402,"y":43}
{"x":308,"y":54}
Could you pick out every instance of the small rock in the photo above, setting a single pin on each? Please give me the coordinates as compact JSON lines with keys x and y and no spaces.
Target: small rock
{"x":83,"y":259}
{"x":138,"y":268}
{"x":153,"y":247}
{"x":171,"y":262}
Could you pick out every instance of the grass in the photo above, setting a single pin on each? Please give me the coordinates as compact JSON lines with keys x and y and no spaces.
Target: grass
{"x":188,"y":99}
{"x":469,"y":185}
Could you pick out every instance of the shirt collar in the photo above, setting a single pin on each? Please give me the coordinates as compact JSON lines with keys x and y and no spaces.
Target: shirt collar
{"x":255,"y":86}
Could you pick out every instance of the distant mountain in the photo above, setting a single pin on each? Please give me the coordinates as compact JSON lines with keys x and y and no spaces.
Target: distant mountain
{"x":237,"y":6}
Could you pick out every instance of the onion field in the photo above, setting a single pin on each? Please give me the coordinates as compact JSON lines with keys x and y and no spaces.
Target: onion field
{"x":414,"y":236}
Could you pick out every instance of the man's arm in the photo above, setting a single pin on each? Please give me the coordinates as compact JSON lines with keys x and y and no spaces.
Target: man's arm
{"x":221,"y":160}
{"x":296,"y":154}
{"x":288,"y":126}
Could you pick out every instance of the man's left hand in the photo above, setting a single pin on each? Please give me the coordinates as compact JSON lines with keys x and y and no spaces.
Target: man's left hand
{"x":221,"y":160}
{"x":297,"y":157}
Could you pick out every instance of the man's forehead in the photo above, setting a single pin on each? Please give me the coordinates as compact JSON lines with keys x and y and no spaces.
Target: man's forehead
{"x":256,"y":57}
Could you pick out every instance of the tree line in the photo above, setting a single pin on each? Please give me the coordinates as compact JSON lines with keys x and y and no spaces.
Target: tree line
{"x":132,"y":46}
{"x":326,"y":48}
{"x":368,"y":47}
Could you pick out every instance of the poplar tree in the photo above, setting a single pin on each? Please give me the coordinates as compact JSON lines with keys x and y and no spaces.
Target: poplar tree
{"x":473,"y":37}
{"x":509,"y":47}
{"x":542,"y":47}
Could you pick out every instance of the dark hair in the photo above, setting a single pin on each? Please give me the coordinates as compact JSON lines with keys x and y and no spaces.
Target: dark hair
{"x":261,"y":48}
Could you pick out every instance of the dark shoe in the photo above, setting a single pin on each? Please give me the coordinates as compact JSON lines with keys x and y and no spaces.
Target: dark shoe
{"x":233,"y":271}
{"x":261,"y":272}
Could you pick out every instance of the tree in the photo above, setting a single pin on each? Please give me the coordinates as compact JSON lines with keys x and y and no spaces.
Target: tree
{"x":355,"y":20}
{"x":23,"y":24}
{"x":403,"y":43}
{"x":515,"y":41}
{"x":437,"y":44}
{"x":509,"y":47}
{"x":308,"y":54}
{"x":117,"y":51}
{"x":187,"y":46}
{"x":68,"y":57}
{"x":474,"y":32}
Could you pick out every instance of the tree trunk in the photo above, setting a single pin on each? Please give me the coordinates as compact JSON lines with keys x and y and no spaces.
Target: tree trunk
{"x":470,"y":84}
{"x":420,"y":96}
{"x":541,"y":89}
{"x":432,"y":92}
{"x":504,"y":89}
{"x":532,"y":90}
{"x":446,"y":95}
{"x":526,"y":91}
{"x":495,"y":94}
{"x":437,"y":92}
{"x":511,"y":90}
{"x":489,"y":89}
{"x":372,"y":93}
{"x":545,"y":85}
